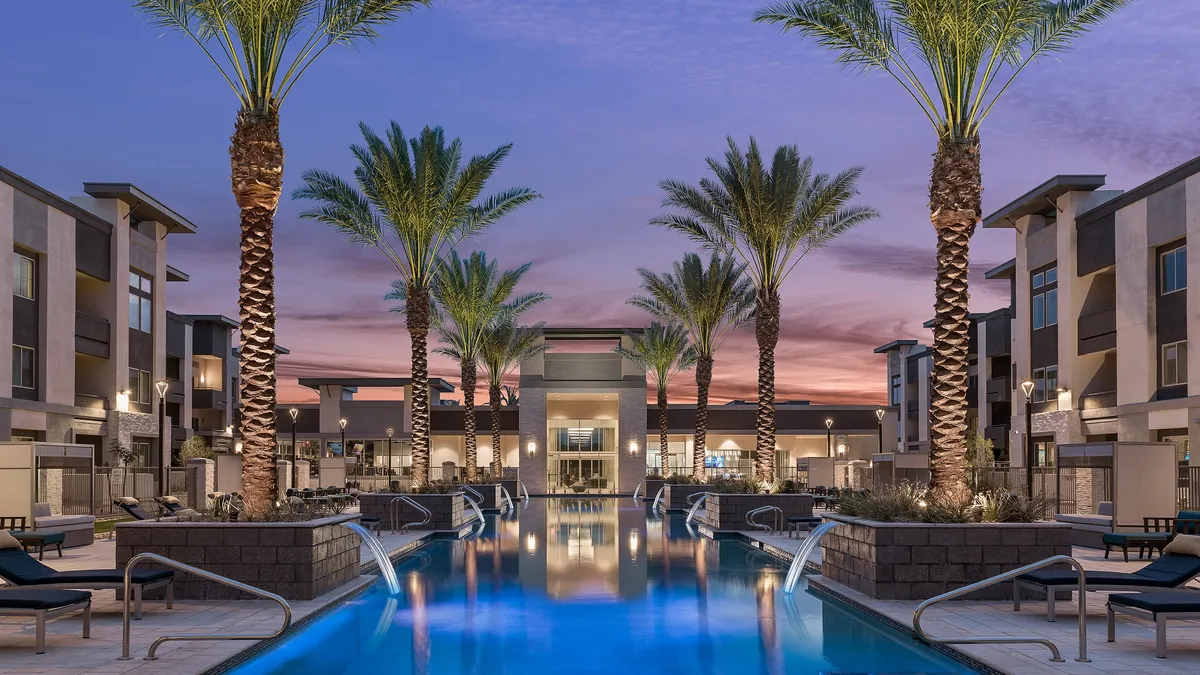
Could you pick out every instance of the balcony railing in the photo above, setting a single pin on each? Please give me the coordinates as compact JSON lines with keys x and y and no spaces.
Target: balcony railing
{"x":1098,"y":331}
{"x":91,"y":402}
{"x":208,"y":399}
{"x":999,"y":390}
{"x":1097,"y":400}
{"x":998,"y":435}
{"x":91,"y":335}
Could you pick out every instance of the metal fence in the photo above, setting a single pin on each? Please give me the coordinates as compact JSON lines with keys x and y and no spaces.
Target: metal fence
{"x":1188,"y":488}
{"x":77,"y":492}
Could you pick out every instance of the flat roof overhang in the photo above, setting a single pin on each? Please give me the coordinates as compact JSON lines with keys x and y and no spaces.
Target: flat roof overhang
{"x":894,"y":344}
{"x":176,"y":274}
{"x":436,"y":383}
{"x":1005,"y":270}
{"x":587,"y":333}
{"x":1041,"y":198}
{"x":143,"y":206}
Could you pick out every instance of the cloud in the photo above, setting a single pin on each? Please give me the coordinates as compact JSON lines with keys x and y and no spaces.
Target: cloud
{"x":908,"y":263}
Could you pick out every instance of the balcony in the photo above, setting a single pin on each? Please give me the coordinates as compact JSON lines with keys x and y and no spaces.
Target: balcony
{"x":1098,"y":331}
{"x":1098,"y":400}
{"x":92,"y":335}
{"x":998,"y":435}
{"x":91,"y":402}
{"x":912,"y":410}
{"x":999,"y":390}
{"x":208,"y":399}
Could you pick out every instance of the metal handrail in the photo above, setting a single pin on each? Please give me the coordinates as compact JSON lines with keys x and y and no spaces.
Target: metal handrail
{"x":696,"y":507}
{"x":638,"y":489}
{"x":992,"y":581}
{"x":806,"y":548}
{"x":523,"y":488}
{"x":381,"y":556}
{"x":203,"y":574}
{"x":692,"y":498}
{"x":658,"y":498}
{"x":394,"y":512}
{"x":477,"y":493}
{"x":763,"y":526}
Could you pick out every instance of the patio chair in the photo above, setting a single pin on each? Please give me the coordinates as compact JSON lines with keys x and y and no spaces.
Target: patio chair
{"x":170,"y":504}
{"x":19,"y":569}
{"x":1171,"y":570}
{"x":133,"y":507}
{"x":46,"y":604}
{"x":1159,"y":607}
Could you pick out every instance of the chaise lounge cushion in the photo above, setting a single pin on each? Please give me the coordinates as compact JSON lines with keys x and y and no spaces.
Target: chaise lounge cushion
{"x":63,"y":521}
{"x":20,"y":568}
{"x":1159,"y":601}
{"x":1169,"y":571}
{"x":46,"y":598}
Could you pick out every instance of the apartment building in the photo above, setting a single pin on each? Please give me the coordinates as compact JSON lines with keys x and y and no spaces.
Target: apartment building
{"x":1102,"y":313}
{"x":88,"y":320}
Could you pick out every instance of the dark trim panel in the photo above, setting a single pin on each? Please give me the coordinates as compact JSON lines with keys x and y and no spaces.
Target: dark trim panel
{"x":1140,"y":192}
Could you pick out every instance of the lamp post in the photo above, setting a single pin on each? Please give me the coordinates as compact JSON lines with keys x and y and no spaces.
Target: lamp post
{"x":165,"y":452}
{"x":879,"y":416}
{"x":294,"y":412}
{"x":388,"y":473}
{"x":342,"y":424}
{"x":1027,"y":388}
{"x":829,"y":435}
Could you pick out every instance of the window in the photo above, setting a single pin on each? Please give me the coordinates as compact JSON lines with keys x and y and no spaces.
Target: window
{"x":23,"y":367}
{"x":895,"y":400}
{"x":141,"y":304}
{"x":141,"y":453}
{"x":1174,"y":364}
{"x":1045,"y":384}
{"x":23,"y":276}
{"x":139,"y":386}
{"x":1174,"y":270}
{"x":1045,"y":304}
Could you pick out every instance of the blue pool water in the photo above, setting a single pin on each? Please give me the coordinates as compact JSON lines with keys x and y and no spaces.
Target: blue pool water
{"x":592,"y":586}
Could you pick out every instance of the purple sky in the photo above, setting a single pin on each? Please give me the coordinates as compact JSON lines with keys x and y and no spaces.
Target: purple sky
{"x":601,"y":101}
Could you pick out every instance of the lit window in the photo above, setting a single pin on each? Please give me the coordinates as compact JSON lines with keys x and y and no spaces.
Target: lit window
{"x":1174,"y":270}
{"x":23,"y":368}
{"x":23,"y":276}
{"x":1174,"y":364}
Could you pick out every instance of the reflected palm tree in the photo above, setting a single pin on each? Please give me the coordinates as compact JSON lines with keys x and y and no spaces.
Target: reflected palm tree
{"x":420,"y":625}
{"x":768,"y":634}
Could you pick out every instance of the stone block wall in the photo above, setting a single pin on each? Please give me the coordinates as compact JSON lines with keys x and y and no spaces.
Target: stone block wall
{"x":450,"y":511}
{"x":491,"y":496}
{"x":651,"y":488}
{"x":298,"y":561}
{"x":916,"y":561}
{"x":675,"y":496}
{"x":724,"y":511}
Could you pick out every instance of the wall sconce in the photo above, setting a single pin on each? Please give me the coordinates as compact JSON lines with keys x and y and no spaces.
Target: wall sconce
{"x":229,"y":430}
{"x":531,"y":448}
{"x":238,"y":448}
{"x":123,"y":401}
{"x":633,"y":447}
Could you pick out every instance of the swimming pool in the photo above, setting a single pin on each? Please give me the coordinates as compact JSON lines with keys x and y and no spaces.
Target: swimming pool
{"x":592,"y":586}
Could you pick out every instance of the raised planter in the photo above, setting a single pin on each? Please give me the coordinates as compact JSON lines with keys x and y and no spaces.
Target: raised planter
{"x":298,"y":561}
{"x":725,"y":511}
{"x":676,"y":494}
{"x":450,"y":511}
{"x":651,"y":488}
{"x":514,"y":489}
{"x":916,"y":561}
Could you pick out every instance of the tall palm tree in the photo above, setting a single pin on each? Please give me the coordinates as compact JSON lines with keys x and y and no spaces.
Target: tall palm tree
{"x":955,"y":58}
{"x":664,"y":351}
{"x":505,"y":346}
{"x":414,"y":201}
{"x":250,"y":42}
{"x":769,"y":217}
{"x":469,"y":295}
{"x":710,"y":302}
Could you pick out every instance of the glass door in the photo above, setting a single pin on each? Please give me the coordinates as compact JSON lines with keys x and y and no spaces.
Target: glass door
{"x":582,"y":456}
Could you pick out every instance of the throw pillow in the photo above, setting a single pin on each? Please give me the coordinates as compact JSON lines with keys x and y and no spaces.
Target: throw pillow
{"x":1184,"y":544}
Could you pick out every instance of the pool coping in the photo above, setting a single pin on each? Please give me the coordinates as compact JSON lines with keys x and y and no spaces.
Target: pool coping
{"x":363,"y":585}
{"x":822,"y":589}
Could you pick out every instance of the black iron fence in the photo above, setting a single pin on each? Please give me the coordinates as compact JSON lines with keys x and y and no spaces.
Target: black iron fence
{"x":79,"y":492}
{"x":1188,"y":488}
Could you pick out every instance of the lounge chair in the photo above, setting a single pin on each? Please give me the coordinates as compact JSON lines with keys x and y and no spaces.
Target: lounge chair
{"x":46,"y":604}
{"x":1159,"y":607}
{"x":133,"y":507}
{"x":1171,"y":570}
{"x":170,"y":504}
{"x":19,"y":569}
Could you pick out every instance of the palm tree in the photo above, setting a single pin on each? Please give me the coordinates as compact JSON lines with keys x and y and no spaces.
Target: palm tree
{"x":414,"y":201}
{"x":664,"y":351}
{"x":249,"y":41}
{"x":973,"y":50}
{"x":469,"y":295}
{"x":710,"y":303}
{"x":769,"y":217}
{"x":505,"y":346}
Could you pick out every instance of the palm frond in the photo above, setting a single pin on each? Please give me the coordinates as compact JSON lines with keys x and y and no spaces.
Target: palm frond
{"x":662,"y":349}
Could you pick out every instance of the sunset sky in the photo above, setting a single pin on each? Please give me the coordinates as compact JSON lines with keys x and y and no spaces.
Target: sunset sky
{"x":601,"y":99}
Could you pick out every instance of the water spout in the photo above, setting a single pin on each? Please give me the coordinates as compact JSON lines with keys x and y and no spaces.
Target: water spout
{"x":381,"y":556}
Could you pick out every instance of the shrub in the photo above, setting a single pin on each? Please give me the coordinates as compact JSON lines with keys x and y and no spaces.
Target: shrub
{"x":681,"y":479}
{"x":195,"y":448}
{"x":903,"y":503}
{"x":654,"y":476}
{"x":745,"y":486}
{"x":907,"y":503}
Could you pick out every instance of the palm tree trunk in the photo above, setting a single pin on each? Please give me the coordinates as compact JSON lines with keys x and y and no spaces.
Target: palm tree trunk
{"x":256,"y":170}
{"x":664,"y":451}
{"x":417,"y":312}
{"x":766,"y":333}
{"x":494,"y":403}
{"x":704,"y":366}
{"x":955,"y":193}
{"x":468,"y":387}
